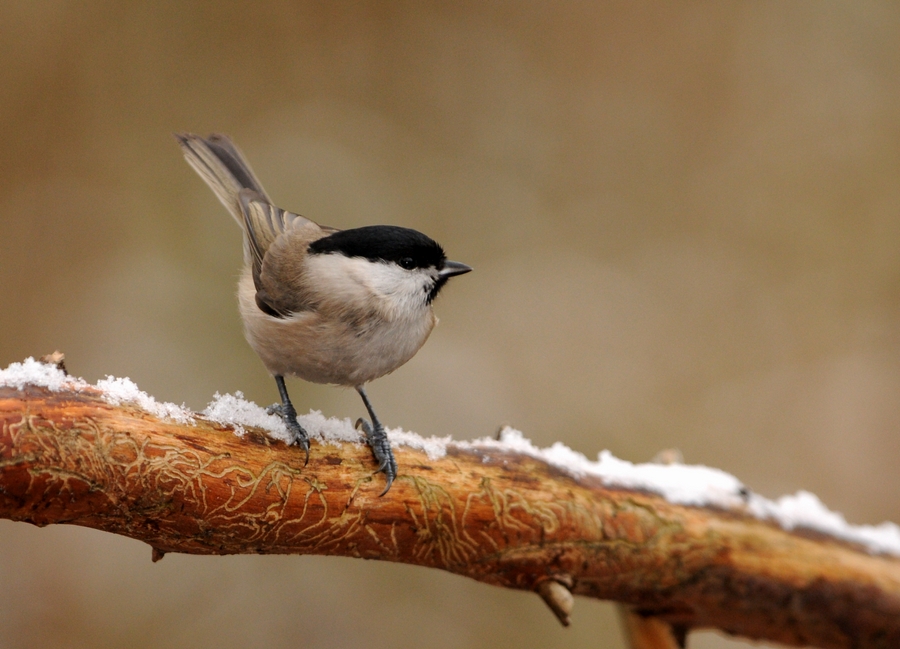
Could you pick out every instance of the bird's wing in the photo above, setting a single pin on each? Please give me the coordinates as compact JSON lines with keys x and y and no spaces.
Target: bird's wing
{"x":275,"y":241}
{"x":263,"y":223}
{"x":276,"y":246}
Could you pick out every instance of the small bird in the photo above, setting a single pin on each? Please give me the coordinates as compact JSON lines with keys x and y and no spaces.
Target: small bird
{"x":343,"y":307}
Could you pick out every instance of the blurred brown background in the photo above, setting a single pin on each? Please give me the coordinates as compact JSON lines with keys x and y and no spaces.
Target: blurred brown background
{"x":684,"y":221}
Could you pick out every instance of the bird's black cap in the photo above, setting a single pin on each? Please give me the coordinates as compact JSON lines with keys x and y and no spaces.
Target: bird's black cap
{"x":388,"y":243}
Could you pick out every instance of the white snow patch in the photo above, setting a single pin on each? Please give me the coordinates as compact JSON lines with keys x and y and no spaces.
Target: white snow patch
{"x":235,"y":411}
{"x":329,"y":430}
{"x":114,"y":391}
{"x":32,"y":372}
{"x":702,"y":486}
{"x":805,"y":510}
{"x":434,"y":447}
{"x":677,"y":483}
{"x":124,"y":390}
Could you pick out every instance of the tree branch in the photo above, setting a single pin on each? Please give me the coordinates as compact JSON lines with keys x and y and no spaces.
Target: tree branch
{"x":499,"y":517}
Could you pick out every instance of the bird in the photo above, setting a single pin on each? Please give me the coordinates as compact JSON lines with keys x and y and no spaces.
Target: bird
{"x":330,"y":306}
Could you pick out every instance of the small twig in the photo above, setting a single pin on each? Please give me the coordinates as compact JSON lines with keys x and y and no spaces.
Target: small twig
{"x":650,"y":632}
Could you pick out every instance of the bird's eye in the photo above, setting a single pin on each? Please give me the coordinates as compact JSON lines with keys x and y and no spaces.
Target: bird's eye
{"x":407,"y":263}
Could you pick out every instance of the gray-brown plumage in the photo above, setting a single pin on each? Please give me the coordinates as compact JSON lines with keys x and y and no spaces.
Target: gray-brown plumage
{"x":328,"y":306}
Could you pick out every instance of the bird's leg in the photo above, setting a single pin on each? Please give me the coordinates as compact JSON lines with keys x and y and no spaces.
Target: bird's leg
{"x":377,"y":438}
{"x":286,"y":411}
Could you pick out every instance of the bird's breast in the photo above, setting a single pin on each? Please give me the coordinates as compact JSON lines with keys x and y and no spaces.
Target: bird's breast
{"x":342,"y":348}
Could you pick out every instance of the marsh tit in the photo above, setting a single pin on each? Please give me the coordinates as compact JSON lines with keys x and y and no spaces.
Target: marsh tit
{"x":329,"y":306}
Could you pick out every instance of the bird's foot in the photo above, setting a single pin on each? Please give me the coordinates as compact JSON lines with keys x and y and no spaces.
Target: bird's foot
{"x":381,"y":449}
{"x":295,"y":430}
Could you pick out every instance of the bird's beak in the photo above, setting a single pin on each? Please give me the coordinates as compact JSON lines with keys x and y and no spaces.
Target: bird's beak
{"x":452,"y":268}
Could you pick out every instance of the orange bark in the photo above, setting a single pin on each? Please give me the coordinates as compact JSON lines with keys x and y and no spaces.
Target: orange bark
{"x":498,"y":517}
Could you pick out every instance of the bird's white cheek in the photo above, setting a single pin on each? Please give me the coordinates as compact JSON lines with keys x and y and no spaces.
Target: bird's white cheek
{"x":386,"y":288}
{"x":339,"y":278}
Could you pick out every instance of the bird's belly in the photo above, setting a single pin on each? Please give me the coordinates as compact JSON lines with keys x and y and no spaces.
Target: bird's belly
{"x":322,"y":350}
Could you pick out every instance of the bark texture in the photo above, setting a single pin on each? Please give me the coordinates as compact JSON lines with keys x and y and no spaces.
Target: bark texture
{"x":498,"y":517}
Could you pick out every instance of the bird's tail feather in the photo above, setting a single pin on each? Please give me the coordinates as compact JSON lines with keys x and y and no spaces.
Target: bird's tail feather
{"x":222,"y":166}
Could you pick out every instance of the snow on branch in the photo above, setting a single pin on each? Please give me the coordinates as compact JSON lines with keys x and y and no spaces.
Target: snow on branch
{"x":686,"y":545}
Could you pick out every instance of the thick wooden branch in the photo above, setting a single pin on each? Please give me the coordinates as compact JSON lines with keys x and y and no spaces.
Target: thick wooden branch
{"x":498,"y":517}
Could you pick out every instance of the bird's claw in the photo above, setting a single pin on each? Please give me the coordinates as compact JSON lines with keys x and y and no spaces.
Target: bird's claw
{"x":381,"y":449}
{"x":295,"y":430}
